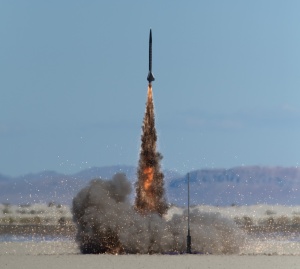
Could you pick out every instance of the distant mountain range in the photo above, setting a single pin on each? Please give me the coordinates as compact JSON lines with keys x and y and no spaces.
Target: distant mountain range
{"x":245,"y":185}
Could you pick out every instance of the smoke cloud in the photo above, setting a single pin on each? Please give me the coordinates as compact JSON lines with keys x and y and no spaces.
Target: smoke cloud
{"x":108,"y":223}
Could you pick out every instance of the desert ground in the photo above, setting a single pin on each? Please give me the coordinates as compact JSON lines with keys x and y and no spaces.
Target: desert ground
{"x":274,"y":249}
{"x":64,"y":255}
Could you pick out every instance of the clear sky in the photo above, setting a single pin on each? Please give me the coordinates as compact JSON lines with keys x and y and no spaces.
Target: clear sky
{"x":73,"y":83}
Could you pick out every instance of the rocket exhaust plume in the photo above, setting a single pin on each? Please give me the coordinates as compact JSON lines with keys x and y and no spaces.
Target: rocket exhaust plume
{"x":150,"y":193}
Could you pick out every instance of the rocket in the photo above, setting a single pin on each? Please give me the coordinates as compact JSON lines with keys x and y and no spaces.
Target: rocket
{"x":150,"y":76}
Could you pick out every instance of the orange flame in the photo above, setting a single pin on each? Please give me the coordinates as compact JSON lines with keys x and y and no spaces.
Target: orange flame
{"x":148,"y":182}
{"x":149,"y":91}
{"x":148,"y":192}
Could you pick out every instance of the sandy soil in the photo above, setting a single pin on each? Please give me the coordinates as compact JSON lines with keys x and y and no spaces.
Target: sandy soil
{"x":65,"y":255}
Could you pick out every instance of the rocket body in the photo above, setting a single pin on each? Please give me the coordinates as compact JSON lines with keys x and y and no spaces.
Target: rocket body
{"x":150,"y":76}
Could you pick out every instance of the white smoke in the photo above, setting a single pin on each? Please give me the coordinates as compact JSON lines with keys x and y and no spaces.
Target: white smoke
{"x":108,"y":223}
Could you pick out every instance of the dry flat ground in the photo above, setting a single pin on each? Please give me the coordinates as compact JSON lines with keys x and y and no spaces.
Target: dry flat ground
{"x":65,"y":255}
{"x":147,"y":261}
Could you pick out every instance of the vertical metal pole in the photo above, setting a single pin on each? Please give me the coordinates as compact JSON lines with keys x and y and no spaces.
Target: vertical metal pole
{"x":189,"y":239}
{"x":188,"y":202}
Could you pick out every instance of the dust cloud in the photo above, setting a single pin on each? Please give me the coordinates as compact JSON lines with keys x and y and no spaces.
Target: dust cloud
{"x":108,"y":223}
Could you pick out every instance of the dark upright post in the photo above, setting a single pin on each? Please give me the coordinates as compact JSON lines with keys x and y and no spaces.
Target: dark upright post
{"x":189,"y":238}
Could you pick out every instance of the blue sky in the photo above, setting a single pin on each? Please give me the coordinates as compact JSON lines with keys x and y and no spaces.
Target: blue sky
{"x":73,"y":83}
